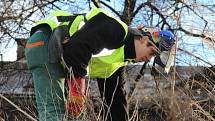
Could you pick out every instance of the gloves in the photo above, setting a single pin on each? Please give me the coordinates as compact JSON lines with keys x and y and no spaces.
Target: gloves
{"x":76,"y":98}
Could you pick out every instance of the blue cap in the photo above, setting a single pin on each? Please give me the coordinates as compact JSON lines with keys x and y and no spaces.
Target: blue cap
{"x":167,"y":34}
{"x":166,"y":39}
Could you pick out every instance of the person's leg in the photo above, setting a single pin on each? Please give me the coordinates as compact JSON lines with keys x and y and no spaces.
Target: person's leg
{"x":48,"y":79}
{"x":49,"y":90}
{"x":115,"y":104}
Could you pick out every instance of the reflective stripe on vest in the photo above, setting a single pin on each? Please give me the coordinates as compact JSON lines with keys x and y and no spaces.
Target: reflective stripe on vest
{"x":75,"y":24}
{"x":51,"y":22}
{"x":96,"y":11}
{"x":105,"y":66}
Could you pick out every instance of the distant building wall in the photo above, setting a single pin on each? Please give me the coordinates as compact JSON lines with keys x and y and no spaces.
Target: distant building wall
{"x":15,"y":78}
{"x":21,"y":42}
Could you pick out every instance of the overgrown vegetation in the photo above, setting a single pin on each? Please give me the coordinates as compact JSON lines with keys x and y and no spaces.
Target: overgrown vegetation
{"x":190,"y":101}
{"x":186,"y":95}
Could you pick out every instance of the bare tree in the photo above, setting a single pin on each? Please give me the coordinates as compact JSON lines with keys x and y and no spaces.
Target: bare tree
{"x":191,"y":20}
{"x":18,"y":16}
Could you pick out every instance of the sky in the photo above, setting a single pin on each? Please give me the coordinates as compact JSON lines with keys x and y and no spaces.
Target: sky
{"x":192,"y":46}
{"x":9,"y":54}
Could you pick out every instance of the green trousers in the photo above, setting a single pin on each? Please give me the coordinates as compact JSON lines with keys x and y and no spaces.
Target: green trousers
{"x":48,"y":79}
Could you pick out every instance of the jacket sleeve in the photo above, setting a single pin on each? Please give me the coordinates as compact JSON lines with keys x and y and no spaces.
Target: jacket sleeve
{"x":98,"y":33}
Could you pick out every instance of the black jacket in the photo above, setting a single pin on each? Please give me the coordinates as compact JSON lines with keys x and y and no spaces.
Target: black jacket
{"x":98,"y":33}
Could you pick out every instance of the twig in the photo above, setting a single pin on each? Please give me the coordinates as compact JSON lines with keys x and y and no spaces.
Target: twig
{"x":203,"y":111}
{"x":189,"y":53}
{"x":19,"y":109}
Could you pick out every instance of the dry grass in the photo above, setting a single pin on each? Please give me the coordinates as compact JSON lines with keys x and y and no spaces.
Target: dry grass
{"x":192,"y":100}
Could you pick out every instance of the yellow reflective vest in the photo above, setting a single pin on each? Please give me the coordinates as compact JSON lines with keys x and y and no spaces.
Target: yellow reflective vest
{"x":105,"y":66}
{"x":53,"y":23}
{"x":99,"y":67}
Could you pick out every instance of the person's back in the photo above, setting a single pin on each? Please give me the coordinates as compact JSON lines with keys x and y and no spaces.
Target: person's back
{"x":49,"y":78}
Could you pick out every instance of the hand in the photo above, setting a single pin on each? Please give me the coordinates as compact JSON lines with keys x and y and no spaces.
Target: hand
{"x":75,"y":106}
{"x":76,"y":99}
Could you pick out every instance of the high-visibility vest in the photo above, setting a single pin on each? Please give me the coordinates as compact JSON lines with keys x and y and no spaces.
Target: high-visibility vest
{"x":105,"y":66}
{"x":52,"y":22}
{"x":99,"y":67}
{"x":96,"y":11}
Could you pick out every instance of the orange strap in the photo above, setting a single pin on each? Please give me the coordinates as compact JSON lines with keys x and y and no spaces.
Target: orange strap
{"x":39,"y":43}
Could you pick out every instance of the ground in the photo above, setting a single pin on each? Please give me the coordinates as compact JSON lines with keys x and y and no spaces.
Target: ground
{"x":153,"y":99}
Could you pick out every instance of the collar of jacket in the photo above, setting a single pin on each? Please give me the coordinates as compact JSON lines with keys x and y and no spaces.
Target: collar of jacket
{"x":129,"y":50}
